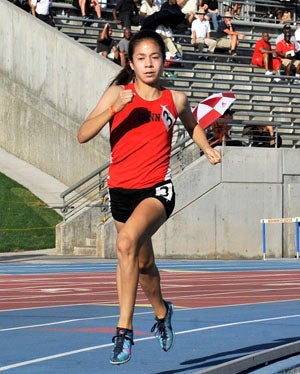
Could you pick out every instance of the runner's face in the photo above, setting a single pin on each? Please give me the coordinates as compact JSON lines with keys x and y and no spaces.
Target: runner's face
{"x":147,"y":61}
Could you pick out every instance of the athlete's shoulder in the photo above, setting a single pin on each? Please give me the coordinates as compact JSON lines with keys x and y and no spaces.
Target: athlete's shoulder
{"x":116,"y":88}
{"x":180,"y":99}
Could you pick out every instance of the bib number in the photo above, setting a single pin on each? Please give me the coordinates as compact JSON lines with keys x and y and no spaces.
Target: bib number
{"x":168,"y":118}
{"x":166,"y":191}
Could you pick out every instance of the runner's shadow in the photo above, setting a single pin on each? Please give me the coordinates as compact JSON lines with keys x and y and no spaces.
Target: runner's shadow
{"x":217,"y":359}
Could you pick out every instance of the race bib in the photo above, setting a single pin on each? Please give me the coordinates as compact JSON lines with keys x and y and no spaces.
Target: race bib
{"x":166,"y":191}
{"x":167,"y":118}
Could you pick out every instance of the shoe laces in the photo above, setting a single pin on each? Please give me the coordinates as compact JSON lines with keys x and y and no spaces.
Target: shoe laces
{"x":160,"y":328}
{"x":118,"y":340}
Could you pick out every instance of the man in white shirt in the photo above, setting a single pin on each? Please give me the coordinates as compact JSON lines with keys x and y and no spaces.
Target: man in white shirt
{"x":41,"y":10}
{"x":148,"y":8}
{"x":201,"y":33}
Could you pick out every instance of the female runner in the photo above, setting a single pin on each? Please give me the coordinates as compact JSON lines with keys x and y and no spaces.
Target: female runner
{"x":141,"y":115}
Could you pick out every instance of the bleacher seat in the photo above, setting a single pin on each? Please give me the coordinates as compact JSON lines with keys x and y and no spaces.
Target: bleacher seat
{"x":258,"y":97}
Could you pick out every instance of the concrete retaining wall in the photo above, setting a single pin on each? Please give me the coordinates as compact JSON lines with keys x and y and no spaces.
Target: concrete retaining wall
{"x":219,"y":208}
{"x":49,"y":83}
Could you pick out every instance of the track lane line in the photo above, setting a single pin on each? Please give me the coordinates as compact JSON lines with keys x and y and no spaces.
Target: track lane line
{"x":77,"y":351}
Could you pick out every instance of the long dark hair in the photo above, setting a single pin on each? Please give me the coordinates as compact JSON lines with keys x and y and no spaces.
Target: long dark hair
{"x":126,"y":75}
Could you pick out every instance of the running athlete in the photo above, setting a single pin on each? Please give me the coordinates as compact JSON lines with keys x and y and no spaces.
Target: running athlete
{"x":141,"y":115}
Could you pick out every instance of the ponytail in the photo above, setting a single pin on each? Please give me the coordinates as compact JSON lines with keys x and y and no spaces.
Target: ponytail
{"x":125,"y":76}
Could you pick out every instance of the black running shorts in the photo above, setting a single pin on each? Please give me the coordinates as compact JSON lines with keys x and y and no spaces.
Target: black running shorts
{"x":124,"y":201}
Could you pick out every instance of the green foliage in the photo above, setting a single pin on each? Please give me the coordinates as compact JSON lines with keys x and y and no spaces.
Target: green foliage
{"x":25,"y":221}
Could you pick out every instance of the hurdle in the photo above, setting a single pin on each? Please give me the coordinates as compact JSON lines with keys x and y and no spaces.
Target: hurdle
{"x":264,"y":221}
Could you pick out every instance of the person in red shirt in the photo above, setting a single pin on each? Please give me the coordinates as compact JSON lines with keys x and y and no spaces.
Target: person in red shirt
{"x":263,"y":54}
{"x":286,"y":52}
{"x":141,"y":115}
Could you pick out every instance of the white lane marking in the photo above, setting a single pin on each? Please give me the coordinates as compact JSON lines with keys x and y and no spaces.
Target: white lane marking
{"x":69,"y":353}
{"x":65,"y":321}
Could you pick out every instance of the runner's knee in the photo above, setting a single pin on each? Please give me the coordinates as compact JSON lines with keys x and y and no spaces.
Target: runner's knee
{"x":125,"y":244}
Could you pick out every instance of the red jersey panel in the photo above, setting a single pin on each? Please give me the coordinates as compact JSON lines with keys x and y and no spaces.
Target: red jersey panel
{"x":140,"y":139}
{"x":284,"y":47}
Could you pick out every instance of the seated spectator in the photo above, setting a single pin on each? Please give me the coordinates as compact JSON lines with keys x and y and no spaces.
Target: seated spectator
{"x":41,"y":10}
{"x":123,"y":46}
{"x":189,"y":10}
{"x":126,"y":13}
{"x":158,"y":3}
{"x":87,"y":7}
{"x":174,"y":8}
{"x":227,"y":37}
{"x":263,"y":54}
{"x":234,"y":8}
{"x":286,"y":57}
{"x":174,"y":49}
{"x":297,"y":44}
{"x":148,"y":8}
{"x":212,"y":11}
{"x":219,"y":131}
{"x":23,"y":4}
{"x":286,"y":29}
{"x":262,"y":136}
{"x":201,"y":33}
{"x":283,"y":15}
{"x":106,"y":45}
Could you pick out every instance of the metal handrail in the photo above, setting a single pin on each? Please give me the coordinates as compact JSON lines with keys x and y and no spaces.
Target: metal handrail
{"x":92,"y":191}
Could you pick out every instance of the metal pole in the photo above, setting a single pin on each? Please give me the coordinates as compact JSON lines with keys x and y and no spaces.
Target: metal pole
{"x":297,"y":237}
{"x":264,"y":245}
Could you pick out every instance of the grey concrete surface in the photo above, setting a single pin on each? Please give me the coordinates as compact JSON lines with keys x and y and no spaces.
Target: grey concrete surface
{"x":43,"y":185}
{"x":48,"y":85}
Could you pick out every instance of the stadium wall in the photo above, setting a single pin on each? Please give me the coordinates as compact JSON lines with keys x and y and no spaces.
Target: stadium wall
{"x":218,"y":210}
{"x":49,"y":83}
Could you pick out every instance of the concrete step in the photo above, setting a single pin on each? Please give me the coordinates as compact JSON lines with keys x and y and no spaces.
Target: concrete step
{"x":90,"y":242}
{"x":85,"y":251}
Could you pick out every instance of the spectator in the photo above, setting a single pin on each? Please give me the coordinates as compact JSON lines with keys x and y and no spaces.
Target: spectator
{"x":174,"y":49}
{"x":189,"y":10}
{"x":174,"y":7}
{"x":148,"y":8}
{"x":283,"y":15}
{"x":201,"y":33}
{"x":286,"y":53}
{"x":41,"y":10}
{"x":106,"y":45}
{"x":263,"y":54}
{"x":123,"y":46}
{"x":126,"y":13}
{"x":236,"y":9}
{"x":88,"y":6}
{"x":297,"y":37}
{"x":219,"y":131}
{"x":212,"y":11}
{"x":169,"y":4}
{"x":158,"y":3}
{"x":23,"y":4}
{"x":227,"y":37}
{"x":262,"y":136}
{"x":286,"y":28}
